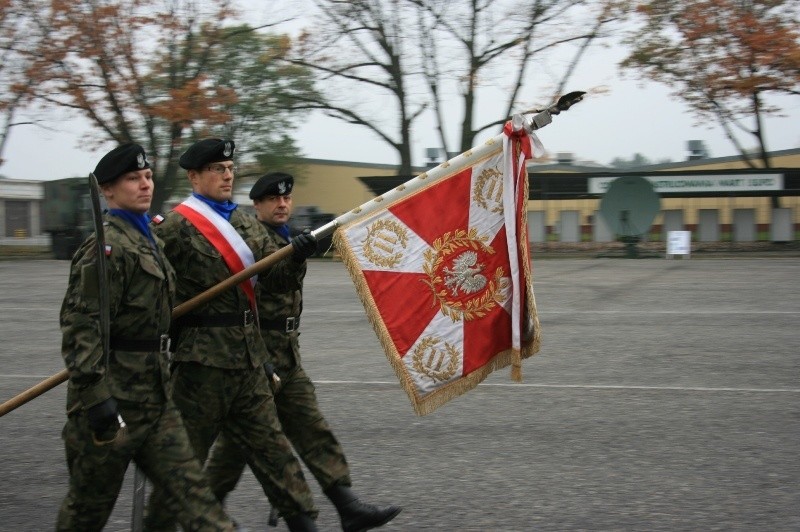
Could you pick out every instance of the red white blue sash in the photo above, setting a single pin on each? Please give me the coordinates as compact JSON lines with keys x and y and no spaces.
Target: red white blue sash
{"x":217,"y":230}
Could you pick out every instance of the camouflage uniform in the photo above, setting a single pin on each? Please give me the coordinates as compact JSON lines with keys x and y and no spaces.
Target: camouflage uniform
{"x":295,"y":400}
{"x":219,"y":380}
{"x":140,"y":286}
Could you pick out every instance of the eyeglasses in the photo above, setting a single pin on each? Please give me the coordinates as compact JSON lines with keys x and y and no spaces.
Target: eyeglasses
{"x":221,"y":168}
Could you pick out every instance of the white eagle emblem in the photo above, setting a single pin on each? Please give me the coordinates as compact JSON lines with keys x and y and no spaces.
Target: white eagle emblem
{"x":281,"y":188}
{"x":227,"y":149}
{"x":465,"y":274}
{"x":140,"y":160}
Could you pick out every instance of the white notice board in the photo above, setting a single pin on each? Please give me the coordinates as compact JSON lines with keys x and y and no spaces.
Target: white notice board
{"x":679,"y":243}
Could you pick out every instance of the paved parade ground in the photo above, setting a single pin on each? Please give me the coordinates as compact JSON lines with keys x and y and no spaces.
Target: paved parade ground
{"x":666,"y":397}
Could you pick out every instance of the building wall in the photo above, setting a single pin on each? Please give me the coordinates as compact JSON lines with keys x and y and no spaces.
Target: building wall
{"x":689,"y":206}
{"x":29,"y":192}
{"x":332,"y":186}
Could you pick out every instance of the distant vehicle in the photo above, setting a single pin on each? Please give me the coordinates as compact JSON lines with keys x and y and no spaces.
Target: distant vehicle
{"x":67,"y":214}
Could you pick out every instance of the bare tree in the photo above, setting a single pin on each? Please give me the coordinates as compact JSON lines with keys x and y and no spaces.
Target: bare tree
{"x":413,"y":56}
{"x":498,"y":42}
{"x":364,"y":56}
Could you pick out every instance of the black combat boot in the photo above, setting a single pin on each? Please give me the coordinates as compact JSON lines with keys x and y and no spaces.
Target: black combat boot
{"x":358,"y":516}
{"x":301,"y":523}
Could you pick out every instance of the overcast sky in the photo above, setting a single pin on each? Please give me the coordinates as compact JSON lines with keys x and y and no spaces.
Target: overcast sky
{"x":629,"y":117}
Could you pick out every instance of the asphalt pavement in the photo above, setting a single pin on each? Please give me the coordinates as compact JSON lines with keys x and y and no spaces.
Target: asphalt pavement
{"x":666,"y":396}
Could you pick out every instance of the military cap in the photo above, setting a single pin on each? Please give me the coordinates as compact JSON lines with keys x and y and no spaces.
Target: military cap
{"x":207,"y":151}
{"x":125,"y":158}
{"x":272,"y":184}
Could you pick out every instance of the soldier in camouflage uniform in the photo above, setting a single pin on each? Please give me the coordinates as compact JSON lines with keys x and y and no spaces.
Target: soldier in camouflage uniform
{"x":296,"y":401}
{"x":218,"y":374}
{"x":132,"y":383}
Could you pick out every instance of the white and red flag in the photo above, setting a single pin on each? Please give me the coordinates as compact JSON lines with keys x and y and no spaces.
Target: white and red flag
{"x":444,"y":272}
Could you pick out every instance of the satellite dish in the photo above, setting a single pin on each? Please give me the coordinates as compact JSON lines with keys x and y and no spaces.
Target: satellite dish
{"x":629,"y":207}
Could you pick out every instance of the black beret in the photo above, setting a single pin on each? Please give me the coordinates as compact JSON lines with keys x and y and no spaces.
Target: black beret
{"x":207,"y":151}
{"x":128,"y":157}
{"x":272,"y":184}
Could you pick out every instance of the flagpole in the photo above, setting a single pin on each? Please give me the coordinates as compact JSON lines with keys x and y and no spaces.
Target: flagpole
{"x":456,"y":164}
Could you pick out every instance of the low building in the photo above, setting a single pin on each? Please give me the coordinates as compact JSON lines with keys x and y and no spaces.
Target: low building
{"x":714,"y":198}
{"x":21,"y":211}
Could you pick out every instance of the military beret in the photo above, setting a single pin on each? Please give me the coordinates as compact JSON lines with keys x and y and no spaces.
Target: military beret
{"x":207,"y":151}
{"x":272,"y":184}
{"x":125,"y":158}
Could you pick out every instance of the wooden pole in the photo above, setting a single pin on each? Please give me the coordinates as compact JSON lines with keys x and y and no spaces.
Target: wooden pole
{"x":459,"y":162}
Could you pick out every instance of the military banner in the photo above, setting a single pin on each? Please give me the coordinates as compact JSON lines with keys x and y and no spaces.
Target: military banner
{"x":444,"y":274}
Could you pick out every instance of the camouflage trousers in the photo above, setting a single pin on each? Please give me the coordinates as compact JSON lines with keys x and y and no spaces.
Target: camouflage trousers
{"x":303,"y":424}
{"x":240,"y":404}
{"x":156,"y":440}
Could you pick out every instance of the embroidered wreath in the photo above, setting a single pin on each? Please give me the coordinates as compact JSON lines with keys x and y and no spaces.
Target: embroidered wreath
{"x":391,"y":260}
{"x":445,"y":246}
{"x":427,"y":345}
{"x":489,"y":174}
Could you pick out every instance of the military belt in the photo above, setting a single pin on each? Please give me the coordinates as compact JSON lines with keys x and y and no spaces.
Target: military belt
{"x":160,"y":344}
{"x":241,"y":319}
{"x":290,"y":324}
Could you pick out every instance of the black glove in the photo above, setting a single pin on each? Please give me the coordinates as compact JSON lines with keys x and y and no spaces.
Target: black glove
{"x":102,"y":416}
{"x":304,"y":245}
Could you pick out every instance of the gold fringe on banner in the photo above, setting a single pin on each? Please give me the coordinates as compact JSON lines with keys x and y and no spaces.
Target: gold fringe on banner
{"x":530,"y":337}
{"x":426,"y":404}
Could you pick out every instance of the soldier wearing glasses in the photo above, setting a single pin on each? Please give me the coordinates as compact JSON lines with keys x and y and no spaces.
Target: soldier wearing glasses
{"x":132,"y":384}
{"x":295,"y":398}
{"x":218,"y":376}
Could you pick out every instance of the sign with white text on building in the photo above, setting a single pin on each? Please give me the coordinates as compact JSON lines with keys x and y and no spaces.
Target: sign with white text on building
{"x":700,"y":183}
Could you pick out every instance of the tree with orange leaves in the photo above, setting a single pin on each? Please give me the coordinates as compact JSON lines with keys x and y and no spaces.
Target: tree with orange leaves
{"x":97,"y":60}
{"x":725,"y":58}
{"x":19,"y":36}
{"x":150,"y":71}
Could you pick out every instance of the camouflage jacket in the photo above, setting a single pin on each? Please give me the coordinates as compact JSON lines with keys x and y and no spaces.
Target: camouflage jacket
{"x":199,"y":267}
{"x":141,"y":286}
{"x":283,"y":349}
